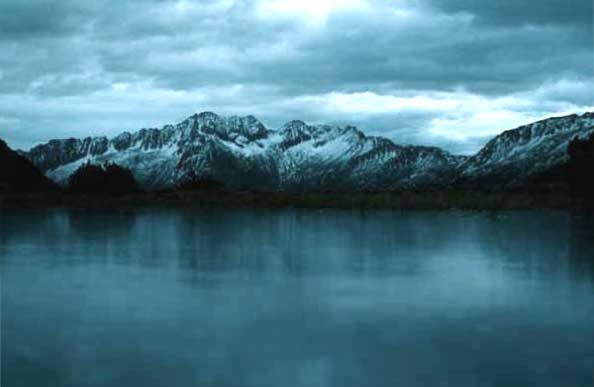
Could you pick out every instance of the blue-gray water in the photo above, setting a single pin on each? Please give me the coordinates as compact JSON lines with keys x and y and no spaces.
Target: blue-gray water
{"x":296,"y":298}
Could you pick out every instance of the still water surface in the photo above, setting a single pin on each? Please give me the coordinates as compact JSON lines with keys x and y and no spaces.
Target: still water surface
{"x":296,"y":298}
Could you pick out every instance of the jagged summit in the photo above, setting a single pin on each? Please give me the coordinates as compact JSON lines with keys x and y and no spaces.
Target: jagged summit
{"x":225,"y":127}
{"x":206,"y":116}
{"x":242,"y":152}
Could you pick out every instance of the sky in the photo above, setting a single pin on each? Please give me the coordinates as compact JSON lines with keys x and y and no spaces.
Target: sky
{"x":450,"y":73}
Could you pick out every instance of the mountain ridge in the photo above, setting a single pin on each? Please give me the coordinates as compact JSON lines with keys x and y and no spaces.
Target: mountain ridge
{"x":242,"y":152}
{"x":516,"y":154}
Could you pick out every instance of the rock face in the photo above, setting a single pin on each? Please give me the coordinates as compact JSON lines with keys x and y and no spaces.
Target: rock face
{"x":241,"y":152}
{"x":18,"y":175}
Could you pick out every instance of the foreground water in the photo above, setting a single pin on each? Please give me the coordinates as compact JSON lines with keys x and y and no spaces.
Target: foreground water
{"x":296,"y":298}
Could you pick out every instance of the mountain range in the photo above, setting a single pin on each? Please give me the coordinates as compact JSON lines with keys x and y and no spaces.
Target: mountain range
{"x":241,"y":152}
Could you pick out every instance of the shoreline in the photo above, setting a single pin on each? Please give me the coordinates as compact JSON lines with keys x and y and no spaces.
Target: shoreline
{"x":402,"y":200}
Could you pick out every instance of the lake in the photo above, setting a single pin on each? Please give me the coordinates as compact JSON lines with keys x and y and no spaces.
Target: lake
{"x":170,"y":297}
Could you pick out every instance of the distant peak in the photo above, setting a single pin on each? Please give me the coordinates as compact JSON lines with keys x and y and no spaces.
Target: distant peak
{"x":295,"y":123}
{"x":206,"y":116}
{"x":250,"y":119}
{"x":210,"y":116}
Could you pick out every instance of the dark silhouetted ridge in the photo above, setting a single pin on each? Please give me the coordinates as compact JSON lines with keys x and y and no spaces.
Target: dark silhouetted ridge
{"x":107,"y":179}
{"x":19,"y":175}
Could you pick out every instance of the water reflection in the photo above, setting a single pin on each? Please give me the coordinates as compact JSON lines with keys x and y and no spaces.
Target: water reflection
{"x":297,"y":298}
{"x":581,"y":250}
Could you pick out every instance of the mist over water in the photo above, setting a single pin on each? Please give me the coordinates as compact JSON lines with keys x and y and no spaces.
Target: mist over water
{"x":296,"y":298}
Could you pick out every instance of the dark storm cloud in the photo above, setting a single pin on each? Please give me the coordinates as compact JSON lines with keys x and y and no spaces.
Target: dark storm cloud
{"x":518,"y":12}
{"x":453,"y":52}
{"x":40,"y":18}
{"x":98,"y":66}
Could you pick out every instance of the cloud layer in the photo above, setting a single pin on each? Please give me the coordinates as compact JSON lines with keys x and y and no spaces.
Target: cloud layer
{"x":439,"y":72}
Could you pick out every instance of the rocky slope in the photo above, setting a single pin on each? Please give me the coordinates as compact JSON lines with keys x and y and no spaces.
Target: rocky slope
{"x":242,"y":152}
{"x":515,"y":155}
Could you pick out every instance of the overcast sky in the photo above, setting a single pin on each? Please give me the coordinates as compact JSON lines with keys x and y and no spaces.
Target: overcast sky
{"x":440,"y":72}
